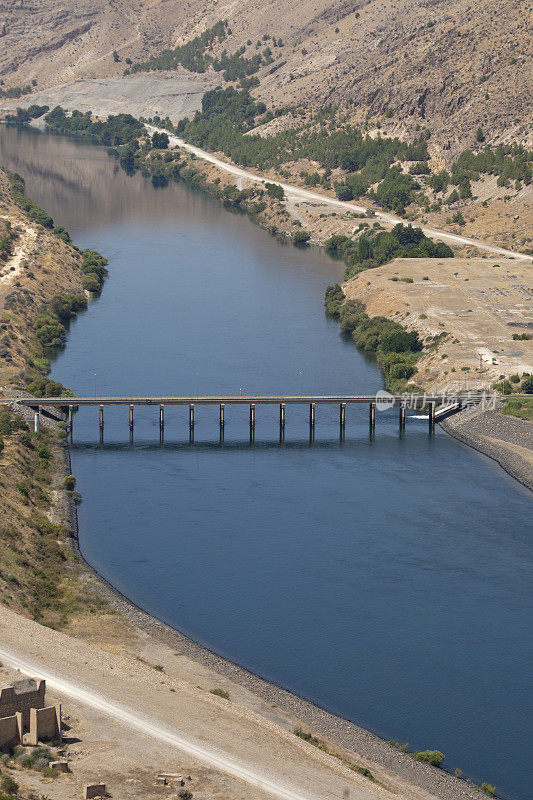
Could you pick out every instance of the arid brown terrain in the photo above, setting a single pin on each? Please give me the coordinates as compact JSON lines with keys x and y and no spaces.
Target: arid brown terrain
{"x":449,"y":65}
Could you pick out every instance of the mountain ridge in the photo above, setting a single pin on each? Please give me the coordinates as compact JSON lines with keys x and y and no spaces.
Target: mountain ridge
{"x":444,"y":64}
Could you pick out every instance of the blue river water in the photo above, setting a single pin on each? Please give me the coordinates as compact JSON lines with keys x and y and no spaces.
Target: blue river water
{"x":388,"y":580}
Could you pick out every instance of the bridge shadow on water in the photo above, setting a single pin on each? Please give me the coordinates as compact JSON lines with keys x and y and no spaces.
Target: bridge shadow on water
{"x":328,"y":443}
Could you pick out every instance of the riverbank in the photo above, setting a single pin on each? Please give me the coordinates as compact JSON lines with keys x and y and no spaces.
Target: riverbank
{"x":507,"y":440}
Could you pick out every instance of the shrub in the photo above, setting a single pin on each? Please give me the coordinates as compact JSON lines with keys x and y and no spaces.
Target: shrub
{"x":333,"y":300}
{"x":116,"y":130}
{"x":50,"y":772}
{"x":434,"y":757}
{"x":301,"y":237}
{"x":46,"y":387}
{"x":275,"y":190}
{"x":515,"y":379}
{"x":344,"y":192}
{"x":91,"y":283}
{"x":395,"y":191}
{"x":69,"y":483}
{"x":220,"y":693}
{"x":41,"y":763}
{"x":41,"y":756}
{"x":160,"y":141}
{"x":487,"y":788}
{"x":9,"y":785}
{"x":458,"y":219}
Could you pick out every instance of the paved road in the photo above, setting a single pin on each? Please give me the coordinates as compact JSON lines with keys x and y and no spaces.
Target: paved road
{"x":305,"y":194}
{"x":150,"y":727}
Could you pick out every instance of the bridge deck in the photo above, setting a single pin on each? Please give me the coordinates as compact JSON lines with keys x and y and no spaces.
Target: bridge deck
{"x":413,"y":399}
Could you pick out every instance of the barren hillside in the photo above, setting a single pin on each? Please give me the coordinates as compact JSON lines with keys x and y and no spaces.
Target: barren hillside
{"x":450,"y":65}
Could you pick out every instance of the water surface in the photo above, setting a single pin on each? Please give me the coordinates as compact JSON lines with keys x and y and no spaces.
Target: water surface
{"x":387,"y":580}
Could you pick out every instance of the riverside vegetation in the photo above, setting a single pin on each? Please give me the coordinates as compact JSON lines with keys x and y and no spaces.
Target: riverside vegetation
{"x":39,"y":574}
{"x":396,"y":349}
{"x":51,"y":321}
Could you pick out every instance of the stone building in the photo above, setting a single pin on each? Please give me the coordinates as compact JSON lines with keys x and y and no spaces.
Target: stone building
{"x":20,"y":696}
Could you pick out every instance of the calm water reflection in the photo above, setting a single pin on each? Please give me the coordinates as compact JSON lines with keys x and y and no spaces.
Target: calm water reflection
{"x":388,"y":580}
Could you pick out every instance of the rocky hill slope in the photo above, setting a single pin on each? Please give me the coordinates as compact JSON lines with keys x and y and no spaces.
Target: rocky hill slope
{"x":450,"y":65}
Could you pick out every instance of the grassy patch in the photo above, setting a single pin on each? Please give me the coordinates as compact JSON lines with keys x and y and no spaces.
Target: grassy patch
{"x":523,"y":409}
{"x":220,"y":693}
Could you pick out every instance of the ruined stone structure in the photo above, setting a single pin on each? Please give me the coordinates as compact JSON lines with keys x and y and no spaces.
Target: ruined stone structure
{"x":45,"y":725}
{"x":20,"y":697}
{"x":10,"y":731}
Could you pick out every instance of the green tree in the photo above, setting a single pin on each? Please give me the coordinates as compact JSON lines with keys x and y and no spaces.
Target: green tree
{"x":160,"y":141}
{"x":275,"y":190}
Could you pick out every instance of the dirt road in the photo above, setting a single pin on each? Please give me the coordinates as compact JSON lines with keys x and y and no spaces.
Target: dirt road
{"x":150,"y":727}
{"x":305,"y":194}
{"x":159,"y":703}
{"x":23,"y":247}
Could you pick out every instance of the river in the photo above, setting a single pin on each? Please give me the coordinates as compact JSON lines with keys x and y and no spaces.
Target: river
{"x":388,"y":580}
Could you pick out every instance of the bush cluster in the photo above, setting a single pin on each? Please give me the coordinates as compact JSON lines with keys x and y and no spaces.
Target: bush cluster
{"x":116,"y":130}
{"x":25,"y":115}
{"x":227,"y":115}
{"x":193,"y":55}
{"x":396,"y":348}
{"x":93,"y":266}
{"x":14,"y":92}
{"x":51,"y":322}
{"x":196,"y":57}
{"x":509,"y":162}
{"x":374,"y":248}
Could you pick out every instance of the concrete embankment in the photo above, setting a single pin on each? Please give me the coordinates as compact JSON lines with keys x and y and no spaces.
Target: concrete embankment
{"x":507,"y":440}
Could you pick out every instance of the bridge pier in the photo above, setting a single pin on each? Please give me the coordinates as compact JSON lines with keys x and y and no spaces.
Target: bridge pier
{"x":282,"y":415}
{"x":402,"y":417}
{"x":252,"y":416}
{"x":431,"y":417}
{"x":191,"y":416}
{"x":36,"y":421}
{"x":342,"y":415}
{"x":372,"y":416}
{"x":222,"y":407}
{"x":101,"y":418}
{"x":161,"y":417}
{"x":131,"y":418}
{"x":312,"y":415}
{"x":70,"y":417}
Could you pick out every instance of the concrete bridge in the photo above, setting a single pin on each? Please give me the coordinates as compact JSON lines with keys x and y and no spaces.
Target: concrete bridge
{"x":437,"y":406}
